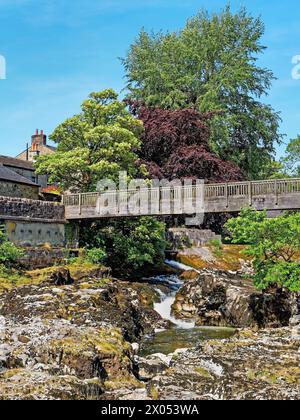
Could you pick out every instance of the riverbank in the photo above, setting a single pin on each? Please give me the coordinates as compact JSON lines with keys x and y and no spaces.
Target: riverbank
{"x":74,"y":332}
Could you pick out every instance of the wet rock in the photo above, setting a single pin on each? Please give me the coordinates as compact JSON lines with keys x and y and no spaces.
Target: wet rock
{"x":218,"y":298}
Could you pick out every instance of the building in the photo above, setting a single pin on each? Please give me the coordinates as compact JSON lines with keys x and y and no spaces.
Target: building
{"x":12,"y":184}
{"x":38,"y":147}
{"x":25,"y":169}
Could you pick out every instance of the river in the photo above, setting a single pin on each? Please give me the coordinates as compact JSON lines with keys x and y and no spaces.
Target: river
{"x":182,"y":333}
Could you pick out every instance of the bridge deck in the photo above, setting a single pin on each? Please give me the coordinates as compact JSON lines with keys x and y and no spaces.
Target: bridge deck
{"x":209,"y":198}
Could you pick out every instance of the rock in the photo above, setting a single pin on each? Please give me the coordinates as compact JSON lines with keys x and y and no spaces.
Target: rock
{"x":150,"y":366}
{"x":23,"y":339}
{"x":219,"y":298}
{"x":71,"y":341}
{"x":295,"y":325}
{"x":60,"y":277}
{"x":135,"y":348}
{"x":251,"y":366}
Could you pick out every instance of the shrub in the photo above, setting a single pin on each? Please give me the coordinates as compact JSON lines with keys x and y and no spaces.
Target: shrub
{"x":273,"y":245}
{"x":96,"y":255}
{"x":130,"y":244}
{"x":9,"y":253}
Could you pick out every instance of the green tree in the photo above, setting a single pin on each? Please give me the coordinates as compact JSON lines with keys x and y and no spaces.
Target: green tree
{"x":129,"y":244}
{"x":273,"y":244}
{"x":95,"y":144}
{"x":292,"y":158}
{"x":211,"y":65}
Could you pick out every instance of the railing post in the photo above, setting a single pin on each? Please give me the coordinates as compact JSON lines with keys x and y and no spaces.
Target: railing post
{"x":80,"y":204}
{"x":227,"y":195}
{"x":276,"y":192}
{"x":250,"y":193}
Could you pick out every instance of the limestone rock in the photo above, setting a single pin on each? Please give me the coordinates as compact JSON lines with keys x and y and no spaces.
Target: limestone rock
{"x":251,"y":366}
{"x":219,"y":298}
{"x":150,"y":366}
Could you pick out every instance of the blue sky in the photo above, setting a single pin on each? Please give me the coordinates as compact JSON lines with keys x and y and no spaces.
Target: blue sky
{"x":57,"y":51}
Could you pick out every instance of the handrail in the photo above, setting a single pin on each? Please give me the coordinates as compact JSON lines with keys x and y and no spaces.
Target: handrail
{"x":211,"y":191}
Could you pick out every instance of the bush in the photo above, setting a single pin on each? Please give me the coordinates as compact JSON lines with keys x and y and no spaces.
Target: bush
{"x":282,"y":274}
{"x":273,"y":245}
{"x":96,"y":255}
{"x":9,"y":253}
{"x":129,"y":244}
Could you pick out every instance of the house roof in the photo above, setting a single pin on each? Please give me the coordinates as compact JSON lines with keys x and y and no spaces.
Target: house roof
{"x":16,"y":163}
{"x":11,"y":176}
{"x":42,"y":148}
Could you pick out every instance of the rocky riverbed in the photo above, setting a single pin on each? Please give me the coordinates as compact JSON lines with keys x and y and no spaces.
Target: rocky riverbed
{"x":75,"y":334}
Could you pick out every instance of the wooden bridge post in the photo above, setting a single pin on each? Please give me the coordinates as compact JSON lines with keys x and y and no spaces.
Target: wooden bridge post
{"x":80,"y":204}
{"x":276,"y":192}
{"x":227,"y":194}
{"x":250,"y":193}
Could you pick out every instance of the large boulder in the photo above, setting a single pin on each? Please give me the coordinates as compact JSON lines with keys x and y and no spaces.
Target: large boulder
{"x":218,"y":298}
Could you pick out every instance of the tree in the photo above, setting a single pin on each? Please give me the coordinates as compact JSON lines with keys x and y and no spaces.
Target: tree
{"x":211,"y":65}
{"x":175,"y":145}
{"x":292,"y":159}
{"x":95,"y":144}
{"x":273,"y":244}
{"x":130,"y":244}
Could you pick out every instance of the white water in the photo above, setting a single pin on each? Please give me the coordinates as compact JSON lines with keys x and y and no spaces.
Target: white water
{"x":164,"y":308}
{"x":180,"y":266}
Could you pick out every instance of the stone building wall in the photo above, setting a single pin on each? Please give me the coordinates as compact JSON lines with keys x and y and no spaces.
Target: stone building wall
{"x":35,"y":234}
{"x":12,"y":189}
{"x":31,"y":223}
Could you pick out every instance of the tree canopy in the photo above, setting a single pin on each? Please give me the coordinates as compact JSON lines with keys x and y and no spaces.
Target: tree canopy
{"x":273,"y":244}
{"x":292,"y":159}
{"x":95,"y":144}
{"x":211,"y":65}
{"x":175,"y":145}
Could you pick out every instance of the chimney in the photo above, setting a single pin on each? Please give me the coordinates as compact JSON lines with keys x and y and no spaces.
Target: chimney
{"x":39,"y":138}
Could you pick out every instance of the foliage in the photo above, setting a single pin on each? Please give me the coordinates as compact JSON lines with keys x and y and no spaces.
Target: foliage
{"x":129,"y":244}
{"x":283,"y":273}
{"x":95,"y":144}
{"x":217,"y":248}
{"x":273,"y":169}
{"x":273,"y":246}
{"x":292,"y":158}
{"x":175,"y":145}
{"x":96,"y":255}
{"x":211,"y":65}
{"x":9,"y":253}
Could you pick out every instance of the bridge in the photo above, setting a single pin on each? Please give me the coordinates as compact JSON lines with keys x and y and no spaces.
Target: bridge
{"x":230,"y":197}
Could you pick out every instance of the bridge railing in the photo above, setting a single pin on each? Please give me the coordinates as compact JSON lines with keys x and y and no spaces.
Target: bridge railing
{"x":211,"y":191}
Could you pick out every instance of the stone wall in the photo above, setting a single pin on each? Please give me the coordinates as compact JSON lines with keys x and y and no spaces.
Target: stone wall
{"x":35,"y":234}
{"x":31,"y":223}
{"x":184,"y":237}
{"x":16,"y":208}
{"x":12,"y":189}
{"x":36,"y":258}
